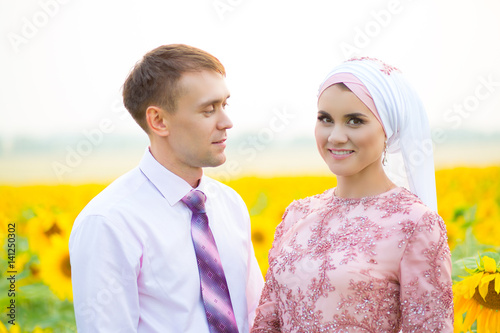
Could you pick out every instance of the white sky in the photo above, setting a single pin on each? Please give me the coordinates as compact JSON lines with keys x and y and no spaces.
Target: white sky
{"x":66,"y":75}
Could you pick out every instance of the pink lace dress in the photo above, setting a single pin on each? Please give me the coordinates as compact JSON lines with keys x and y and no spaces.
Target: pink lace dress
{"x":376,"y":264}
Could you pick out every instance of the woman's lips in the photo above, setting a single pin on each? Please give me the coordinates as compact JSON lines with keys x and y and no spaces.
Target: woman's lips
{"x":340,"y":154}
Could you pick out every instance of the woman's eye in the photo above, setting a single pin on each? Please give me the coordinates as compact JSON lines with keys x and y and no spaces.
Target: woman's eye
{"x":355,"y":121}
{"x":324,"y":119}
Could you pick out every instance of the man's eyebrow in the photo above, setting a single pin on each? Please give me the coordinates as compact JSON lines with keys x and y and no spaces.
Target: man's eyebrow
{"x":213,"y":101}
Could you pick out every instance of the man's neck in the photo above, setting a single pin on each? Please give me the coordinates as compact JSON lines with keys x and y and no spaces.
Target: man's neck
{"x":190,"y":174}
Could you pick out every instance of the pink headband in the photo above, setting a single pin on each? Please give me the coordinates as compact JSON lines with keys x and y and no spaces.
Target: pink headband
{"x":357,"y":87}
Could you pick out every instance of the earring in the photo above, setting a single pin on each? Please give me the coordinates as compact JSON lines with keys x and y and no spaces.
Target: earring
{"x":384,"y":159}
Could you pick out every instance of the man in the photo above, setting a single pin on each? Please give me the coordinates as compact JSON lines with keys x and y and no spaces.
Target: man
{"x":143,"y":257}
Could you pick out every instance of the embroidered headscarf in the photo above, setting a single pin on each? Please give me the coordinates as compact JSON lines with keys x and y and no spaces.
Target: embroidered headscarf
{"x":384,"y":90}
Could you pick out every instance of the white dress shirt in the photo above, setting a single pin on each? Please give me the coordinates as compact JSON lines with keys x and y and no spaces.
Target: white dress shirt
{"x":133,"y":262}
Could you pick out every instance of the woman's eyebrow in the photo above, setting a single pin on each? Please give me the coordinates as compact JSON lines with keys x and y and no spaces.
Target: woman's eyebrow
{"x":355,"y":114}
{"x":348,"y":115}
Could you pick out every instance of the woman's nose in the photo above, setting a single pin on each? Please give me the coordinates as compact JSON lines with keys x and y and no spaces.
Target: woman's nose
{"x":337,"y":135}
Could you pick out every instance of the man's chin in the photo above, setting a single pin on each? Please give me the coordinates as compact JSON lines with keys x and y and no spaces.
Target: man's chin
{"x":215,"y":162}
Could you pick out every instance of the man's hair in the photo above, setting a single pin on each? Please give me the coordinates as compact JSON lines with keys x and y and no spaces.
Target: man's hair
{"x":154,"y":80}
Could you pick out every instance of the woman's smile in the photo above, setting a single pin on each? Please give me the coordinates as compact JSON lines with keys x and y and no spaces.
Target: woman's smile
{"x":340,"y":154}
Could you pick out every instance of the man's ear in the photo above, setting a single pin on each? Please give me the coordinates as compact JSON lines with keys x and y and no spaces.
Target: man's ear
{"x":157,"y":120}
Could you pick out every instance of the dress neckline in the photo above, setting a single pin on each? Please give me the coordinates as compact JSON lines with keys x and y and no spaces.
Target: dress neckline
{"x":348,"y":201}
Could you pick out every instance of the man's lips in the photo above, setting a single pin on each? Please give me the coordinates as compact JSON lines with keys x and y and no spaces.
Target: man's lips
{"x":219,"y":142}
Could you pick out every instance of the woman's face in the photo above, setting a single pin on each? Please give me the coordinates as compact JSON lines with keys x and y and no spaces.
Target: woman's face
{"x":349,"y":137}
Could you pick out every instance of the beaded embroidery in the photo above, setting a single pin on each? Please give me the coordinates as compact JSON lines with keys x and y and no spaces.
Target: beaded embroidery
{"x":377,"y":264}
{"x":387,"y":69}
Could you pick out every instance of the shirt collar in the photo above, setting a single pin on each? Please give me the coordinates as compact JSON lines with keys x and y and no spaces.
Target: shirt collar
{"x":172,"y":187}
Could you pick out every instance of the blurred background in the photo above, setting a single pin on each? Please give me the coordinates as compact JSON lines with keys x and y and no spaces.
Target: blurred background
{"x":63,"y":64}
{"x":65,"y":135}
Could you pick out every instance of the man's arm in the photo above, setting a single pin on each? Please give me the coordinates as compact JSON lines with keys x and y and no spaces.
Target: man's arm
{"x":105,"y":263}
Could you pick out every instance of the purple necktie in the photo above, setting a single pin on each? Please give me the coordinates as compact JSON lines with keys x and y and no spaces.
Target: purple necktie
{"x":214,"y":291}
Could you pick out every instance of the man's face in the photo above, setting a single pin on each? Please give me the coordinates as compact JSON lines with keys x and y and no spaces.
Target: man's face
{"x":197,"y":128}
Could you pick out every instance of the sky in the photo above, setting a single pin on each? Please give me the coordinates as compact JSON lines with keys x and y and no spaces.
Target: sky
{"x":63,"y":62}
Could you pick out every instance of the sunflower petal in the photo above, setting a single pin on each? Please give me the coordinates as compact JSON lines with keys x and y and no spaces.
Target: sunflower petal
{"x":472,"y":282}
{"x":461,"y":307}
{"x":457,"y":325}
{"x":497,"y":283}
{"x":490,"y":265}
{"x":3,"y":329}
{"x":487,"y":278}
{"x":483,"y":291}
{"x":492,"y":324}
{"x":471,"y":316}
{"x":485,"y":282}
{"x":14,"y":329}
{"x":498,"y":323}
{"x":461,"y":304}
{"x":482,"y":319}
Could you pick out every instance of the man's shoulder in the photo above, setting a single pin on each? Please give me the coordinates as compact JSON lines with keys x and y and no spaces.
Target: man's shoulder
{"x":121,"y":190}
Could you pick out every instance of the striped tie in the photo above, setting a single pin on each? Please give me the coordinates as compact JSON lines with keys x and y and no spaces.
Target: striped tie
{"x":215,"y":293}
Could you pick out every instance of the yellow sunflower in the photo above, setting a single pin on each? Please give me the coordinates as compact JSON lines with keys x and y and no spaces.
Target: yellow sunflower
{"x":44,"y":225}
{"x":55,"y":268}
{"x":477,"y":296}
{"x":262,"y":238}
{"x":40,"y":330}
{"x":12,"y":328}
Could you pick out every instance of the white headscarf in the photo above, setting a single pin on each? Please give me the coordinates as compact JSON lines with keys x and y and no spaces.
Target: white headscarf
{"x":403,"y":118}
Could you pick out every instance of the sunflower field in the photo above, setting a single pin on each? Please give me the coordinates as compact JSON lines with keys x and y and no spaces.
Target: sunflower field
{"x":36,"y":223}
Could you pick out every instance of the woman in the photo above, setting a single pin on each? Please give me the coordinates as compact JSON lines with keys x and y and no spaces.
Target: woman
{"x":366,"y":256}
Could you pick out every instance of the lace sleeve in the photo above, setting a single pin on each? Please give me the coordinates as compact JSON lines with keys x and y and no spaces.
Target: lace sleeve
{"x":425,"y":278}
{"x":267,"y":318}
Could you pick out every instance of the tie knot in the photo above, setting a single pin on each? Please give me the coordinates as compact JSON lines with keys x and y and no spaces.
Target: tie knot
{"x":195,"y":200}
